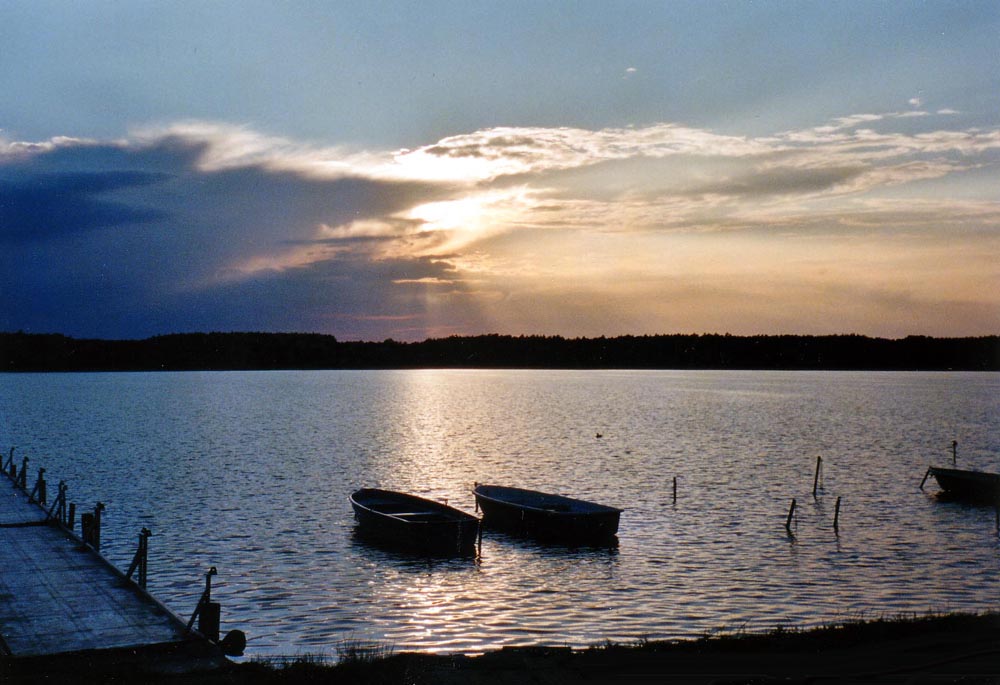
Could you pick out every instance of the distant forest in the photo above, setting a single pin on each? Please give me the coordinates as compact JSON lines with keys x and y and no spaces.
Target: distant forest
{"x":241,"y":351}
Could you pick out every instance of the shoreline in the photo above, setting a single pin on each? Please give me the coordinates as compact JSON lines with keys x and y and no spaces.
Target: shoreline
{"x":42,"y":352}
{"x":939,"y":648}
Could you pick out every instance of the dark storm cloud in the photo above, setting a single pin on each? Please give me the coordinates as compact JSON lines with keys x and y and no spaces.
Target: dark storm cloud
{"x":337,"y":295}
{"x":130,"y":240}
{"x":53,"y":204}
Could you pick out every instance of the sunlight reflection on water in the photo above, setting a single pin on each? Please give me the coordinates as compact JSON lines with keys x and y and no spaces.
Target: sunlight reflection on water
{"x":250,"y":472}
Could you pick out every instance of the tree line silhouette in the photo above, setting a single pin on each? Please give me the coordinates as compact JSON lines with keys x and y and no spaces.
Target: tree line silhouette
{"x":245,"y":351}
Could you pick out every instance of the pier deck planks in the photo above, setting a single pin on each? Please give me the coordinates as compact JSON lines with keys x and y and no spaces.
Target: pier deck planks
{"x":57,"y":596}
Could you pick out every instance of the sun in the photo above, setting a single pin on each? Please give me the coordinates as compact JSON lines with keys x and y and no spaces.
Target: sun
{"x":472,"y":216}
{"x":466,"y":214}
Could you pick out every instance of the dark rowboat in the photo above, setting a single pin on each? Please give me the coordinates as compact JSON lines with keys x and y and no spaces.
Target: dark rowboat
{"x":546,"y":516}
{"x":978,"y":486}
{"x":412,"y":522}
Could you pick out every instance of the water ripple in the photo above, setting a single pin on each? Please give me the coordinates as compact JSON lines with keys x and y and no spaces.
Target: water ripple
{"x":250,"y":472}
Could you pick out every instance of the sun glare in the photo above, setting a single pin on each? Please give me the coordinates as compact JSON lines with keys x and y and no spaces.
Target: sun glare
{"x":465,"y":214}
{"x":473,"y":215}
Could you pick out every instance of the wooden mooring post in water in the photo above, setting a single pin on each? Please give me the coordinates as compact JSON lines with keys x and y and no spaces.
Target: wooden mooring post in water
{"x":819,"y":470}
{"x":836,"y":517}
{"x":791,"y":514}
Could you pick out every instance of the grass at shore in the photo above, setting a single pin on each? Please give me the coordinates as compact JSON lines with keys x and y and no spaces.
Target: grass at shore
{"x":855,"y":650}
{"x":380,"y":664}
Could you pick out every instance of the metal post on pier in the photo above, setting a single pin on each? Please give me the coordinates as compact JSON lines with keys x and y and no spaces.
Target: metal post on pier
{"x":58,"y":508}
{"x":207,"y":612}
{"x":141,"y":559}
{"x":22,"y":478}
{"x":97,"y":525}
{"x":954,"y":452}
{"x":90,"y":527}
{"x":61,"y":499}
{"x":38,"y":492}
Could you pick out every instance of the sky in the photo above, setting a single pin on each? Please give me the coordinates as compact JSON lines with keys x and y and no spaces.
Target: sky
{"x":415,"y":170}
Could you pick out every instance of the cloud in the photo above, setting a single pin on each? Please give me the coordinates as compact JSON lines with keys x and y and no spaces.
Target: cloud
{"x":61,"y":202}
{"x":203,"y":226}
{"x":142,"y":237}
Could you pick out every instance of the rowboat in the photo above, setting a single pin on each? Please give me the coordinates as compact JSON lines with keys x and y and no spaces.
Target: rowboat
{"x":970,"y":485}
{"x":415,"y":523}
{"x":544,"y":515}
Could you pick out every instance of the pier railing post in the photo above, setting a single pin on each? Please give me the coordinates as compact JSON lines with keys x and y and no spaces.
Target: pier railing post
{"x":62,"y":504}
{"x":141,"y":559}
{"x":97,"y":525}
{"x":207,"y":612}
{"x":22,"y":478}
{"x":38,"y":492}
{"x":58,"y":508}
{"x":90,"y":527}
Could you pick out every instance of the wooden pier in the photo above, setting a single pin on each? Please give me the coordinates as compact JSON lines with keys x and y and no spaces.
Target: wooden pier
{"x":61,"y":602}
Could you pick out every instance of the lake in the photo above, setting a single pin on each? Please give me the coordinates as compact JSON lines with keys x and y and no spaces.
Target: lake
{"x":251,"y":472}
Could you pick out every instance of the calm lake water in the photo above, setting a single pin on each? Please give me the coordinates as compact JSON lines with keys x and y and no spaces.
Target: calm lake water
{"x":251,"y":472}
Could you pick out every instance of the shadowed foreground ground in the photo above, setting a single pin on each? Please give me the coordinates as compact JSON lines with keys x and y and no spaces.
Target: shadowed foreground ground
{"x":942,"y":649}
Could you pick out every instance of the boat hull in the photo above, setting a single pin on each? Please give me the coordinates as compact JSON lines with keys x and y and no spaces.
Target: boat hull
{"x":970,"y":485}
{"x":404,"y":521}
{"x":546,"y":516}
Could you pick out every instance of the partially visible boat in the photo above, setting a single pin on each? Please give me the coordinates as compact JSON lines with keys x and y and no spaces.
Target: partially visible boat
{"x":546,"y":516}
{"x":979,"y":486}
{"x":414,"y":523}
